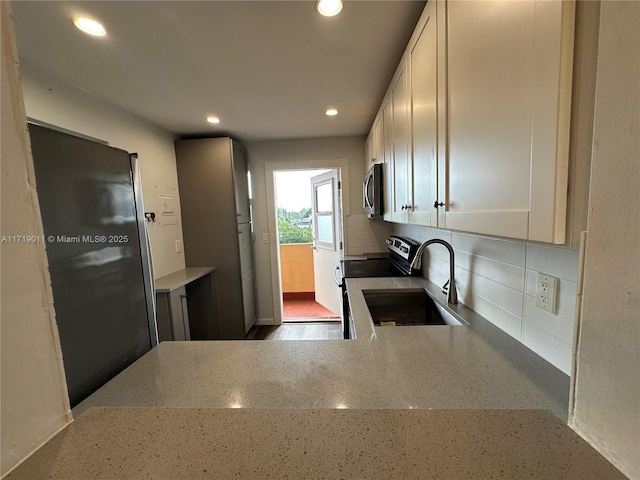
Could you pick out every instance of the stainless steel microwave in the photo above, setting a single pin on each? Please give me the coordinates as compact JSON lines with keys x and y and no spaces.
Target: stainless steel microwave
{"x":372,"y":192}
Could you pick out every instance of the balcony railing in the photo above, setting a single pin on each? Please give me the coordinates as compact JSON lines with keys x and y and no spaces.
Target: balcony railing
{"x":296,"y":267}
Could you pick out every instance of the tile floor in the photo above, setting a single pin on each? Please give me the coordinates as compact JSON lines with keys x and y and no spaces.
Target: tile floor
{"x":305,"y":308}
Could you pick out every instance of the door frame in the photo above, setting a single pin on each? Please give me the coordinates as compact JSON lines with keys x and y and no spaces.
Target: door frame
{"x":341,"y":164}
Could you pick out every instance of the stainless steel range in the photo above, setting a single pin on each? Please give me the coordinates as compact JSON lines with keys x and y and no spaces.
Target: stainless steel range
{"x":396,"y":262}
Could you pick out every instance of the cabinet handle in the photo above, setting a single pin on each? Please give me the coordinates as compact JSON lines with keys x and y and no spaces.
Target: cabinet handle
{"x":436,"y":204}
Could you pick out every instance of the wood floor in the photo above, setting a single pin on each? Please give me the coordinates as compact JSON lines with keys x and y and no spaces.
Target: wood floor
{"x":297,"y":331}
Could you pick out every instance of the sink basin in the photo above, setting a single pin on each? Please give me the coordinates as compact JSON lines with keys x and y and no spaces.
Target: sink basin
{"x":402,"y":306}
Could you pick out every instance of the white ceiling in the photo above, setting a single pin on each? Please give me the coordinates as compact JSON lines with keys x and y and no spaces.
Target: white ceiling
{"x":268,"y":69}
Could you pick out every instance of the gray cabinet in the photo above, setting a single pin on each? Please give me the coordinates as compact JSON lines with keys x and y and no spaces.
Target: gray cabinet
{"x":173,"y":315}
{"x":186,"y":305}
{"x":216,"y":224}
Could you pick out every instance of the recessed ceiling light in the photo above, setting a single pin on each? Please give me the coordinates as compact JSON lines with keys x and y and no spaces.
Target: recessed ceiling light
{"x":89,"y":26}
{"x":213,"y":120}
{"x":332,"y":112}
{"x":329,"y":8}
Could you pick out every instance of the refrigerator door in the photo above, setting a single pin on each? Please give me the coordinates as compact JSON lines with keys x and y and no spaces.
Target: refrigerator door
{"x":89,"y":214}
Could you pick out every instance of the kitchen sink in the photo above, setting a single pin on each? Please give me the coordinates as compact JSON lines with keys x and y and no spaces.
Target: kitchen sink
{"x":405,"y":306}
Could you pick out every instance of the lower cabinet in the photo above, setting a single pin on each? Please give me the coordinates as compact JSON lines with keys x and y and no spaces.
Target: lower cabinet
{"x":186,"y":305}
{"x":173,"y":315}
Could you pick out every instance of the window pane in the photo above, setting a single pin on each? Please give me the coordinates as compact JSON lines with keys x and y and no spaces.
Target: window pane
{"x":324,"y":198}
{"x":325,"y":228}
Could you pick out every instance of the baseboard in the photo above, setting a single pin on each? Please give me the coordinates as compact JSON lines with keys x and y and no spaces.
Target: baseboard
{"x":299,"y":295}
{"x":265,"y":321}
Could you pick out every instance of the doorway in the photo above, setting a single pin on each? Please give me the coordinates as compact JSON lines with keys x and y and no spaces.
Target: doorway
{"x":308,"y":243}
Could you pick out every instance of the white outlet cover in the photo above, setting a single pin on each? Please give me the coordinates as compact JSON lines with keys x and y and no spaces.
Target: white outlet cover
{"x":546,"y":288}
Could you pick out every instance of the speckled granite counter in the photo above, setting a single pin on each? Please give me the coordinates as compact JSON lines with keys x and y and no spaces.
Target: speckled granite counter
{"x":463,"y":367}
{"x":153,"y":443}
{"x":460,"y":402}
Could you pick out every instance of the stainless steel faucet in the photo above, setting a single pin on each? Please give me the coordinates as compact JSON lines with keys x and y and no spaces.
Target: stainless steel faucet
{"x":450,"y":287}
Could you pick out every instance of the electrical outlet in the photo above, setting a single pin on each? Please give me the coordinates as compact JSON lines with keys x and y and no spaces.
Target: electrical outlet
{"x":546,"y":289}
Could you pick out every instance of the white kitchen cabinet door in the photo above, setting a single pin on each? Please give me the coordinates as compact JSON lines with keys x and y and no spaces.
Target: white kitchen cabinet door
{"x":368,"y":147}
{"x":509,"y":68}
{"x":373,"y":147}
{"x":387,"y":170}
{"x":378,"y":142}
{"x":424,"y":118}
{"x":401,"y":143}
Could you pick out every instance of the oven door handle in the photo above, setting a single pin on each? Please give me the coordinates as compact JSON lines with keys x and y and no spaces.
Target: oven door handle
{"x":335,"y":279}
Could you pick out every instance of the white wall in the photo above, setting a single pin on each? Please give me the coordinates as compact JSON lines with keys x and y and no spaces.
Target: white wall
{"x":34,"y":398}
{"x":51,"y":100}
{"x":607,"y":384}
{"x":496,"y":277}
{"x":361,"y":235}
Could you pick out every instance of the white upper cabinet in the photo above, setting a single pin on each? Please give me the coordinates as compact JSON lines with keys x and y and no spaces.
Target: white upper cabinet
{"x":374,"y":145}
{"x":368,"y":147}
{"x":422,"y":55}
{"x":401,"y":143}
{"x":387,"y":171}
{"x":476,"y":121}
{"x":509,"y":68}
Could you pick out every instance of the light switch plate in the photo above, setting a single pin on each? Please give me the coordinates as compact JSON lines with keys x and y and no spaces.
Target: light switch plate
{"x":178,"y":246}
{"x":265,"y":238}
{"x":546,"y":290}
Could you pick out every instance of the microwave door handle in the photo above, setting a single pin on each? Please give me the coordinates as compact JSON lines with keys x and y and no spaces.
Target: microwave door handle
{"x":365,"y":192}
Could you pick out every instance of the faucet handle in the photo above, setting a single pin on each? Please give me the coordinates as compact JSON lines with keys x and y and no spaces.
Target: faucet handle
{"x":445,"y":288}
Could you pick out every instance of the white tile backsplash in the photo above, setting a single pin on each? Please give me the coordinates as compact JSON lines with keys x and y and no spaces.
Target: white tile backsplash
{"x":508,"y":298}
{"x":551,"y":348}
{"x":559,"y":325}
{"x":497,"y":278}
{"x":555,"y":261}
{"x":503,"y":273}
{"x":506,"y":251}
{"x":363,"y":235}
{"x":500,"y":317}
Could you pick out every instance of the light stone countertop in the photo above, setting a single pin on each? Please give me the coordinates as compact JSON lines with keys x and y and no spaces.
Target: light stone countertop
{"x":459,"y":402}
{"x":441,"y":367}
{"x":156,"y":443}
{"x":178,"y":279}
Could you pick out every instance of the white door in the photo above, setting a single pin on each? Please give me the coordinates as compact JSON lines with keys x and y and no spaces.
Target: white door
{"x":327,"y":238}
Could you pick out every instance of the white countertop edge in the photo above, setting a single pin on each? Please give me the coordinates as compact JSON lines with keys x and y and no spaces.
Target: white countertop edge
{"x":178,"y":279}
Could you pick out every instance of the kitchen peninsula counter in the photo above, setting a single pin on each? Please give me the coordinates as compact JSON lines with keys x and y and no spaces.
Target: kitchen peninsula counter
{"x":193,"y":444}
{"x":396,"y":402}
{"x":461,"y":367}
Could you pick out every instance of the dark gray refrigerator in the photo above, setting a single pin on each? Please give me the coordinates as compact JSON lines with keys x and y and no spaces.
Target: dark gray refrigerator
{"x":98,"y":254}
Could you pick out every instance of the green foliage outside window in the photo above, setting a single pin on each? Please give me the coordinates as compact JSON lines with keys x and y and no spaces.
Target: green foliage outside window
{"x":294,"y":227}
